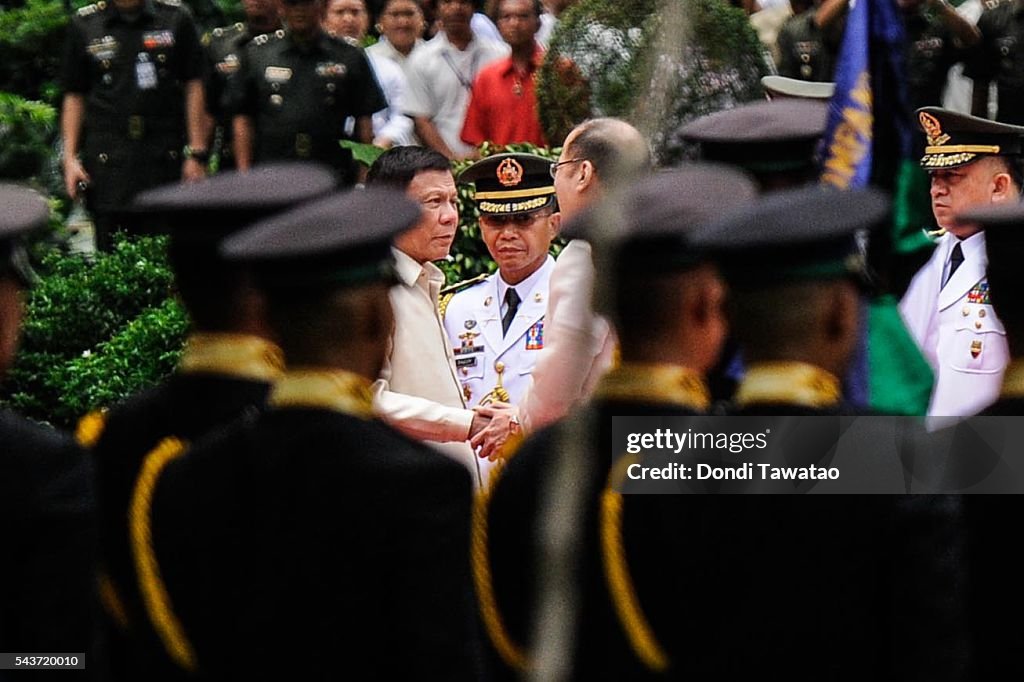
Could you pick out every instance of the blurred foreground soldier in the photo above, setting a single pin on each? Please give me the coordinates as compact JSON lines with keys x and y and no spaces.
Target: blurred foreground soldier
{"x":495,"y":324}
{"x":995,"y":564}
{"x":132,"y":81}
{"x":314,"y":528}
{"x":294,"y":91}
{"x":224,"y":48}
{"x":775,"y":141}
{"x":973,"y":163}
{"x":229,"y":362}
{"x":579,"y":348}
{"x":46,"y":495}
{"x":418,"y":391}
{"x":886,"y":569}
{"x":798,"y":246}
{"x":668,"y":309}
{"x":1004,"y":236}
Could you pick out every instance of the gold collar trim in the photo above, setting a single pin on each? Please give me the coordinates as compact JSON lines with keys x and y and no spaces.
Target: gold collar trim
{"x":234,"y":355}
{"x":796,"y":383}
{"x":330,"y":389}
{"x":659,"y":383}
{"x":1013,"y":380}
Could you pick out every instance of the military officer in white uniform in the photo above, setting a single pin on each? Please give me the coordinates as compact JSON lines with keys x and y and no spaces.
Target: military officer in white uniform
{"x":496,"y":323}
{"x":973,"y":162}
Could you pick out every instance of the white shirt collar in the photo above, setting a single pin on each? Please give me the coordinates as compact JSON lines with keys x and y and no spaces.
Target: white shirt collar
{"x":524,"y":288}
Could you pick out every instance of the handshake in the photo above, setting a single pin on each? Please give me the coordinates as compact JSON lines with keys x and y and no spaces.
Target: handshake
{"x":493,"y":425}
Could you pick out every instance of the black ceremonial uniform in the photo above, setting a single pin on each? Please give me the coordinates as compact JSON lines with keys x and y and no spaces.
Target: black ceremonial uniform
{"x":505,"y":544}
{"x":222,"y":376}
{"x":313,"y":544}
{"x":316,"y":542}
{"x":299,"y":95}
{"x":46,"y":520}
{"x":132,"y":75}
{"x":224,"y":48}
{"x":999,"y":56}
{"x":46,"y":490}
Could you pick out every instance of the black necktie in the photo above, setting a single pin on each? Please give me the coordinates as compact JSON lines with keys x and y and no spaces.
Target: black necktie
{"x":955,"y":260}
{"x":512,"y":301}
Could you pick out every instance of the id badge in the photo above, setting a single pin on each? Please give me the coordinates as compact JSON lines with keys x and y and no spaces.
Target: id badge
{"x":145,"y":73}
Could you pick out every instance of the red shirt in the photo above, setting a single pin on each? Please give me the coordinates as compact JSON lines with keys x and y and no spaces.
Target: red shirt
{"x":503,"y":106}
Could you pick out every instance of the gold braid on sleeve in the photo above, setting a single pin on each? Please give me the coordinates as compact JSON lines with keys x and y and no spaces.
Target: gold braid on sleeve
{"x":510,"y":652}
{"x":638,"y":630}
{"x":151,"y":585}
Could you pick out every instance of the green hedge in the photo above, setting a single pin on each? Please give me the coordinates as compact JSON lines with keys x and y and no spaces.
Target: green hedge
{"x":98,"y":329}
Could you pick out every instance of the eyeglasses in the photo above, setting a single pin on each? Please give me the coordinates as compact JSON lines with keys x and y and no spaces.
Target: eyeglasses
{"x":555,"y":165}
{"x":515,"y":219}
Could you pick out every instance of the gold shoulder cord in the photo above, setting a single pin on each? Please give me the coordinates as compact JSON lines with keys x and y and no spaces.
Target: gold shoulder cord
{"x":154,"y":592}
{"x":510,"y":652}
{"x":442,"y":303}
{"x":620,"y":585}
{"x":90,"y":429}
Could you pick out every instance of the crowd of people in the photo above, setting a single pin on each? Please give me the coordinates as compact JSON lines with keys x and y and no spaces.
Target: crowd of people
{"x":354,"y":470}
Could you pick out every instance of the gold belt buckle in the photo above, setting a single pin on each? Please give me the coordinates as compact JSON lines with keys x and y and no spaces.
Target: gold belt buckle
{"x":303,"y":145}
{"x":136,"y":127}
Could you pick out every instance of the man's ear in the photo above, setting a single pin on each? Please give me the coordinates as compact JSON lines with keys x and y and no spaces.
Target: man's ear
{"x":1002,"y":187}
{"x":555,"y":223}
{"x":587,"y":177}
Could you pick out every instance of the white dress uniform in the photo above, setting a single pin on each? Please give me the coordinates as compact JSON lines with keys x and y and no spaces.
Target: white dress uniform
{"x":472,"y":320}
{"x":957,"y":329}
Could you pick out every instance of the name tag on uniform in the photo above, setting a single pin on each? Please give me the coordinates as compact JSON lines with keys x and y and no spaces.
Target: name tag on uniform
{"x":466,"y":362}
{"x":145,"y":73}
{"x":152,"y":40}
{"x":277,"y":74}
{"x":535,"y":336}
{"x":330,"y":70}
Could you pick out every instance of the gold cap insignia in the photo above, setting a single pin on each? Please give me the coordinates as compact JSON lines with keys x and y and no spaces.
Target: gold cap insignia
{"x":510,"y":173}
{"x":933,"y":129}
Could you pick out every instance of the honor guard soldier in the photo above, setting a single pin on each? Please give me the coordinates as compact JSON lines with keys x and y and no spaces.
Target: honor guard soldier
{"x":224,"y":47}
{"x":227,"y":366}
{"x":994,"y":563}
{"x":132,"y":80}
{"x":797,"y":246}
{"x":496,"y":323}
{"x":294,"y":91}
{"x":973,"y":163}
{"x":808,"y":43}
{"x":937,"y":37}
{"x":884,"y":569}
{"x":667,"y":302}
{"x":315,"y":528}
{"x":46,"y":490}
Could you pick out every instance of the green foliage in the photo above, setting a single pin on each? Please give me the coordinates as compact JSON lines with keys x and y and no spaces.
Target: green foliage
{"x":654,"y":63}
{"x":31,"y":46}
{"x":95,"y":331}
{"x":26,"y":135}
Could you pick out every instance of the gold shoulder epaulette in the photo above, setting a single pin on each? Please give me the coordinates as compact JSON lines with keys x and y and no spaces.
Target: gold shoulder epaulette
{"x":448,"y":293}
{"x":90,"y":428}
{"x":464,"y":284}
